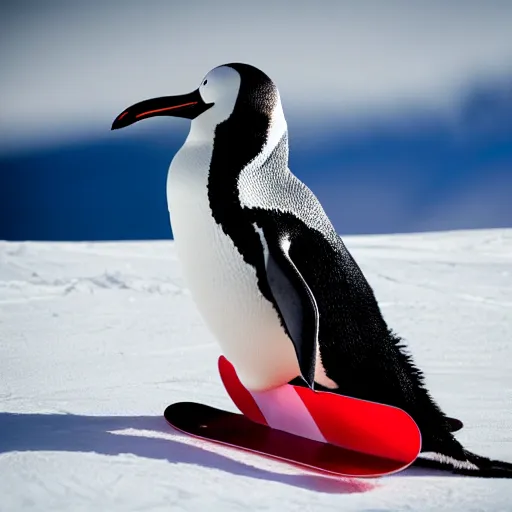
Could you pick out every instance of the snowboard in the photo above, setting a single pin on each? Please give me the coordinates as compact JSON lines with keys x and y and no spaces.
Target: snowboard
{"x":237,"y":431}
{"x":321,"y":431}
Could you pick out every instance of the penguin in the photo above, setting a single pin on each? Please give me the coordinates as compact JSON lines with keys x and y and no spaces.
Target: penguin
{"x":269,"y":274}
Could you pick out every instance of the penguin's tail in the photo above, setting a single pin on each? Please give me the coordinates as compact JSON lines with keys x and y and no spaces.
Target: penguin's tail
{"x":469,"y":465}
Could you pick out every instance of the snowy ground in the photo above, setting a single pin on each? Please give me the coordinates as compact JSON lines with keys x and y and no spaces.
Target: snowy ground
{"x":97,"y":338}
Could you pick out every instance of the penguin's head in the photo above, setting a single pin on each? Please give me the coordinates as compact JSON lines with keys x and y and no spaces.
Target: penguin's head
{"x":226,"y":89}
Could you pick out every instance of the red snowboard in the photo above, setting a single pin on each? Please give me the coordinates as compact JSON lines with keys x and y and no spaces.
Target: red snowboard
{"x":321,"y":431}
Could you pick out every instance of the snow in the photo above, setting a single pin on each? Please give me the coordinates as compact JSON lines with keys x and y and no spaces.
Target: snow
{"x":96,"y":339}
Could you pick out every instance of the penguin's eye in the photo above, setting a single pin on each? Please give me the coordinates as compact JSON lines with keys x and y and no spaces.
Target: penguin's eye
{"x":205,"y":82}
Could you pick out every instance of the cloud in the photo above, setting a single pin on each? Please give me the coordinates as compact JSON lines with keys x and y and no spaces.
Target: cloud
{"x":69,"y":67}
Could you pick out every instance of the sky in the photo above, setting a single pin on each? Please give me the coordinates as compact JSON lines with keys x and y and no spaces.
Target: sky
{"x":398,"y":111}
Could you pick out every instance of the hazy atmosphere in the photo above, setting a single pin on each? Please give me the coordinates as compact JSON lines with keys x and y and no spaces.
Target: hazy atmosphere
{"x":400,"y":113}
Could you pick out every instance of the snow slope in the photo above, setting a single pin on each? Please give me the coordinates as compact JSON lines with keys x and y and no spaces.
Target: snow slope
{"x":97,"y":338}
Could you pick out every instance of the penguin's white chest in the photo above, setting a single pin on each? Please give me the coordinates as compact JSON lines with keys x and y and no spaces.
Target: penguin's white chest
{"x":222,"y":284}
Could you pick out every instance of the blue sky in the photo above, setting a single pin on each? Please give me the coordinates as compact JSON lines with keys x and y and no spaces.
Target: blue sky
{"x":400,"y":113}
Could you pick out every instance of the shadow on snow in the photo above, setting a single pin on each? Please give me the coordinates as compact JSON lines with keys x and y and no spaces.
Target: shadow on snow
{"x":75,"y":433}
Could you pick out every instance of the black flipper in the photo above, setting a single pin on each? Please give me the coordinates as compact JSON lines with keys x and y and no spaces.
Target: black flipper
{"x":294,"y":300}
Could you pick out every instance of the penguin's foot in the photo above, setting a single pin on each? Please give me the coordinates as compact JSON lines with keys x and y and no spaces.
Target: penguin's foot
{"x":454,"y":424}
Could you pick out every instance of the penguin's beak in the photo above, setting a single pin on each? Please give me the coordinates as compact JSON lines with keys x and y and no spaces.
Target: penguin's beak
{"x":187,"y":105}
